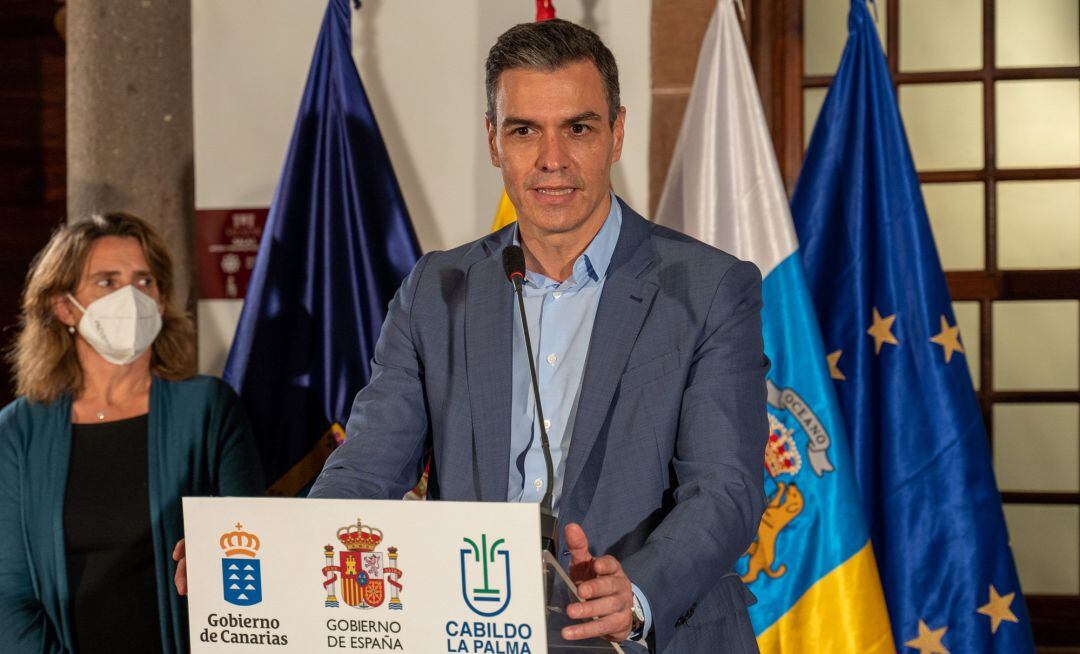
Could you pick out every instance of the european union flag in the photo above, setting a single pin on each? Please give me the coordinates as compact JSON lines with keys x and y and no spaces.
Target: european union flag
{"x":337,"y":244}
{"x":920,"y":446}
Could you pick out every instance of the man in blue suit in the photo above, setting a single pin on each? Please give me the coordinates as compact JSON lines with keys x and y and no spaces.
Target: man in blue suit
{"x":650,"y":364}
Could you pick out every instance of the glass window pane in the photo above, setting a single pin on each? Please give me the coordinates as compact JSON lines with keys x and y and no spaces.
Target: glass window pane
{"x":957,"y":217}
{"x":936,"y":35}
{"x":812,"y":101}
{"x":1043,"y":571}
{"x":1038,"y":123}
{"x":1035,"y":344}
{"x":1037,"y":447}
{"x":967,"y":317}
{"x":944,"y":124}
{"x":1039,"y":224}
{"x":825,"y":33}
{"x":1037,"y":33}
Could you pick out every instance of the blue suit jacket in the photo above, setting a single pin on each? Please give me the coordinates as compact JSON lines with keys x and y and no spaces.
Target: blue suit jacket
{"x":666,"y":461}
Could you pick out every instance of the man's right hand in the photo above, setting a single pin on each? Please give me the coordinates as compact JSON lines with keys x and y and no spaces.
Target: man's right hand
{"x":179,"y":554}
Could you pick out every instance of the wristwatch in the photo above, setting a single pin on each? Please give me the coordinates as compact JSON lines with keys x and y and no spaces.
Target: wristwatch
{"x":637,"y":625}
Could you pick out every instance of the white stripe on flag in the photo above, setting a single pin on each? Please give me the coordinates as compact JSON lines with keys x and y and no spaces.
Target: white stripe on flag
{"x":724,"y":186}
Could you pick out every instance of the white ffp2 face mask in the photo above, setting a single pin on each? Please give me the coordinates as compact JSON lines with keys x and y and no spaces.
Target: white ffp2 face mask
{"x":120,"y":326}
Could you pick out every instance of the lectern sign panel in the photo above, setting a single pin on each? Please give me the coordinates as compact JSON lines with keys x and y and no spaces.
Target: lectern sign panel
{"x":300,"y":575}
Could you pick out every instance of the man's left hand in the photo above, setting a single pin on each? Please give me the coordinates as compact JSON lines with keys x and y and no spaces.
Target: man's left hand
{"x":604,"y":588}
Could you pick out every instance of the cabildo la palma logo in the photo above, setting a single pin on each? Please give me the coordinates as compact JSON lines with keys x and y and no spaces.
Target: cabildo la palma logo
{"x":485,"y":588}
{"x":493,"y":595}
{"x":241,"y":576}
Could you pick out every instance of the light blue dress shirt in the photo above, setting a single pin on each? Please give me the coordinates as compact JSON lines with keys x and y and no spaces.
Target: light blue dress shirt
{"x":560,"y":316}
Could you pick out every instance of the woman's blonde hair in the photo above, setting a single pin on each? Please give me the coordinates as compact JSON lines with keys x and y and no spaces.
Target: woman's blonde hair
{"x":44,"y":358}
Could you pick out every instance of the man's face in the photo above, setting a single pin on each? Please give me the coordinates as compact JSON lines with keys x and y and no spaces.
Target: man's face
{"x":555,"y":146}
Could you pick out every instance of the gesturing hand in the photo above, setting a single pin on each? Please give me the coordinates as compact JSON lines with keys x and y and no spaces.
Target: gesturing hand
{"x":604,"y":588}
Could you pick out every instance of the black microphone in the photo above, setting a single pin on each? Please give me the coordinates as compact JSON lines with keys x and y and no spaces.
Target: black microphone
{"x":514,"y":265}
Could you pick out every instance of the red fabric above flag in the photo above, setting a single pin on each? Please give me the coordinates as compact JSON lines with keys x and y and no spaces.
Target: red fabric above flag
{"x":545,"y":10}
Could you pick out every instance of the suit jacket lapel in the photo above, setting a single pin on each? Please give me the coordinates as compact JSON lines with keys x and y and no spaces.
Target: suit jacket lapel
{"x":489,"y":322}
{"x":624,"y":305}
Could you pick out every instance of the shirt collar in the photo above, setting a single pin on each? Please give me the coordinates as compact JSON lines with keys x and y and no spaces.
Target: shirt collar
{"x":595,"y":260}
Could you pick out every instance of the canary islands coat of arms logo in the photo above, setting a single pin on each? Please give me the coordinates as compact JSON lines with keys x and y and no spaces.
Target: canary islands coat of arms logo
{"x":241,"y":573}
{"x":783,"y":462}
{"x":364,"y":572}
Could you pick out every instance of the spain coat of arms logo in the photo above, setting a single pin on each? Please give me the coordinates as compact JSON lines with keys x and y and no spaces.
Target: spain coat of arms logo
{"x":364,"y":572}
{"x":241,"y":573}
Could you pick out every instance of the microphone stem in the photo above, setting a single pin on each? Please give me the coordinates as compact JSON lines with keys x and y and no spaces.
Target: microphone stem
{"x":547,"y":514}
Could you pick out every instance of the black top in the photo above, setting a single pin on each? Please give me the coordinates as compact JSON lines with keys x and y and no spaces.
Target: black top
{"x":110,"y":550}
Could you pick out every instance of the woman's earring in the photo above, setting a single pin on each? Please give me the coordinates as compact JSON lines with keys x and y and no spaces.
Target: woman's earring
{"x":71,"y":329}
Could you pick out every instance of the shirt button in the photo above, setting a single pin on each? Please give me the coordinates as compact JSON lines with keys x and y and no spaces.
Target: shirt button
{"x":551,"y":358}
{"x":557,"y":294}
{"x":539,"y":483}
{"x":547,"y":424}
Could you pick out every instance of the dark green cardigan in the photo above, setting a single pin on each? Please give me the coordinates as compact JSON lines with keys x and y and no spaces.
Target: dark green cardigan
{"x":200,"y":443}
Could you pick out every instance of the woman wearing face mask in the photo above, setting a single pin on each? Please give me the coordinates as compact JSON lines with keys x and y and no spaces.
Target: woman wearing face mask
{"x":110,"y":430}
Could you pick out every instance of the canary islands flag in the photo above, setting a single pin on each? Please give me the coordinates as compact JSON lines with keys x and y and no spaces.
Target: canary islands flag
{"x":899,"y":369}
{"x":811,"y":565}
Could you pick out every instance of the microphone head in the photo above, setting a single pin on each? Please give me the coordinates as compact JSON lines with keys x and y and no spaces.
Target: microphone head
{"x":513,"y":262}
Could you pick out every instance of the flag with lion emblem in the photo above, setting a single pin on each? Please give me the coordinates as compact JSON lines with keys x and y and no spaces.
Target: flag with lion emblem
{"x":811,"y":565}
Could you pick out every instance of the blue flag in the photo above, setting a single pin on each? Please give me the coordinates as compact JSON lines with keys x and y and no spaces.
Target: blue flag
{"x":920,"y":447}
{"x":337,"y":244}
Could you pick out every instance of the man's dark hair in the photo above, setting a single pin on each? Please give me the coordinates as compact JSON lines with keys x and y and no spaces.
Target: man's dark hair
{"x":548,"y":46}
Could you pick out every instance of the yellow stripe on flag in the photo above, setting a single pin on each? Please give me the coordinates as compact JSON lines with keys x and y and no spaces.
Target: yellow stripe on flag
{"x":506,"y":213}
{"x":308,"y":468}
{"x":844,"y":611}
